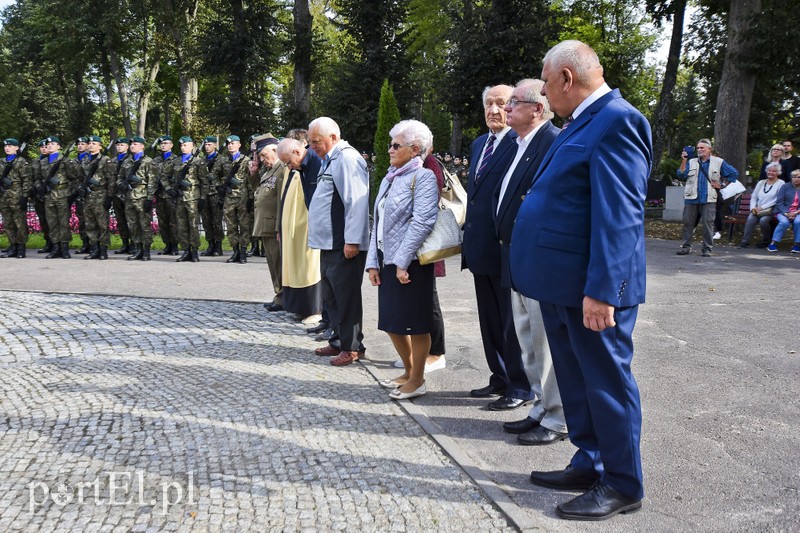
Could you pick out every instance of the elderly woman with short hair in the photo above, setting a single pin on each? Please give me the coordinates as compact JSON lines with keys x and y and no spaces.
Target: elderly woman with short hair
{"x":405,"y":212}
{"x":762,"y":204}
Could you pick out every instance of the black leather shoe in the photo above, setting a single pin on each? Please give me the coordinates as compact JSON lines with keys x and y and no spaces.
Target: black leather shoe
{"x":506,"y":403}
{"x":684,"y":251}
{"x":567,"y":479}
{"x":322,"y":326}
{"x":488,"y":390}
{"x":325,"y":335}
{"x":599,"y":503}
{"x":521,"y":426}
{"x":274,"y":307}
{"x":541,"y":436}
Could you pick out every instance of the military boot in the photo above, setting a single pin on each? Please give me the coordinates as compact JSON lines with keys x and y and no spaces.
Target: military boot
{"x":65,"y":250}
{"x":103,"y":253}
{"x":55,"y":251}
{"x":48,"y":247}
{"x":11,"y":251}
{"x":194,"y":258}
{"x":126,"y":247}
{"x":210,"y":250}
{"x":20,"y":250}
{"x":253,"y":248}
{"x":146,"y":253}
{"x":235,"y":257}
{"x":85,"y":249}
{"x":242,"y":258}
{"x":137,"y":253}
{"x":186,"y":256}
{"x":95,"y":253}
{"x":218,"y":248}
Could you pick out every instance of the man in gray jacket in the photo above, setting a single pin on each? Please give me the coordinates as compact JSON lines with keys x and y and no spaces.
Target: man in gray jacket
{"x":338,"y":226}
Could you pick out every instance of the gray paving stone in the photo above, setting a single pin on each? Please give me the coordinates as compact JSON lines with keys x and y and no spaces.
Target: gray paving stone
{"x":181,"y":416}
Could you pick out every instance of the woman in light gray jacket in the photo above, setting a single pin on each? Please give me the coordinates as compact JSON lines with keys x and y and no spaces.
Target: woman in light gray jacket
{"x":405,"y":211}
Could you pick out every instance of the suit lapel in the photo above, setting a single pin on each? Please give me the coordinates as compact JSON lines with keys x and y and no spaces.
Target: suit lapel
{"x":523,"y":167}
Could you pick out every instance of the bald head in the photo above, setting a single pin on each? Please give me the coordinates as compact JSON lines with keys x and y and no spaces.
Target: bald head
{"x":571,"y":71}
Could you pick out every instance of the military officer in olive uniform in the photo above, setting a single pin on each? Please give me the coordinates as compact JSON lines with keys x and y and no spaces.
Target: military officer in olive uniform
{"x":184,"y":189}
{"x":237,"y":197}
{"x":15,"y":181}
{"x":37,"y":195}
{"x":139,"y":184}
{"x":61,"y":178}
{"x":96,"y":190}
{"x":81,"y":145}
{"x":267,"y":212}
{"x":212,"y":214}
{"x":122,"y":145}
{"x":165,"y":210}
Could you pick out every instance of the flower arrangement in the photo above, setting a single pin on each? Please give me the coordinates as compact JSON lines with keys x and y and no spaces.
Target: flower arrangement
{"x":655,"y":202}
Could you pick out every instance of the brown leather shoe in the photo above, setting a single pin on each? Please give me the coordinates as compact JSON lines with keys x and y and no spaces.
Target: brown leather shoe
{"x":327,"y":350}
{"x":345,"y":358}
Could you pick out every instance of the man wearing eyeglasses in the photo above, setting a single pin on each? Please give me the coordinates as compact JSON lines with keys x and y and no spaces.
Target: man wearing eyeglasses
{"x":528,"y":113}
{"x":480,"y":253}
{"x":790,"y":162}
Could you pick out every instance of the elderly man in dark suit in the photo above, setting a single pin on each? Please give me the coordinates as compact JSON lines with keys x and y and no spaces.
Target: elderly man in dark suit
{"x":528,"y":113}
{"x":578,"y":248}
{"x":492,"y":152}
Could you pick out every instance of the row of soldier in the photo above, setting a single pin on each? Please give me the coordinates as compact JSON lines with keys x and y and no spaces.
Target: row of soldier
{"x":180,"y":186}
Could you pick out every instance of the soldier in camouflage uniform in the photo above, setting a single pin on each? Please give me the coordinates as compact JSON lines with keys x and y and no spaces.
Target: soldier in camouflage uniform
{"x":96,"y":190}
{"x":38,"y":199}
{"x":139,"y":183}
{"x":61,"y":177}
{"x":15,"y":181}
{"x":183,"y":188}
{"x":81,"y":145}
{"x":236,"y":195}
{"x":212,"y":214}
{"x":118,"y":201}
{"x":162,"y":169}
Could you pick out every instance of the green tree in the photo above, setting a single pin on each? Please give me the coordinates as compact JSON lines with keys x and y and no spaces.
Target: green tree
{"x":388,"y":116}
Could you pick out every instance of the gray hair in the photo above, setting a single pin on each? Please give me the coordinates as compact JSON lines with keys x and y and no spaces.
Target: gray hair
{"x":575,"y":55}
{"x":415,"y":133}
{"x":489,"y":88}
{"x":533,"y":93}
{"x":325,"y":126}
{"x":289,"y":145}
{"x":706,"y":142}
{"x":796,"y":173}
{"x":775,"y":165}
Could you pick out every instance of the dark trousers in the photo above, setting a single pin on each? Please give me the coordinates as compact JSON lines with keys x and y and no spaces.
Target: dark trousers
{"x":38,"y":205}
{"x":437,"y":330}
{"x":341,"y":291}
{"x":599,"y":393}
{"x":122,"y":221}
{"x":500,"y":344}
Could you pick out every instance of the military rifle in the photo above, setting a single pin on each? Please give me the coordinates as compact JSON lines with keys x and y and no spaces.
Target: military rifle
{"x":181,"y":183}
{"x":89,"y":181}
{"x":230,"y":182}
{"x":44,"y":188}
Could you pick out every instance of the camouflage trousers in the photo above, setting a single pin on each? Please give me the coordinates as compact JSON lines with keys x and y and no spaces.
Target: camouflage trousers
{"x":140,"y":221}
{"x":122,"y":221}
{"x":211,"y":216}
{"x":186,"y":215}
{"x":57,"y":213}
{"x":96,"y":216}
{"x":41,"y":213}
{"x":14,"y":219}
{"x":167,"y":225}
{"x":238,"y":221}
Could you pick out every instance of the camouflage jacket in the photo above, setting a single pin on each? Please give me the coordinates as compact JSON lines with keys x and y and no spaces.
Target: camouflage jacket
{"x":185,"y":179}
{"x":98,"y":181}
{"x":137,"y":178}
{"x":17,"y":178}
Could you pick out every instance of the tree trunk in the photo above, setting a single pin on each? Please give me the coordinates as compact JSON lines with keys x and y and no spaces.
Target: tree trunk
{"x":108,"y":83}
{"x":457,"y":136}
{"x":663,"y":115}
{"x":122,"y":91}
{"x":238,"y":102}
{"x":736,"y":86}
{"x":302,"y":61}
{"x":144,"y":98}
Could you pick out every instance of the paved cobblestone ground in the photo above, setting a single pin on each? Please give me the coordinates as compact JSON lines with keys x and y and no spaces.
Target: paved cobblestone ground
{"x":135,"y":414}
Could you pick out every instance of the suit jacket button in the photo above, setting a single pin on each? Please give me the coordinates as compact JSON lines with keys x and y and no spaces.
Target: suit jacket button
{"x":522,"y":197}
{"x":501,"y":242}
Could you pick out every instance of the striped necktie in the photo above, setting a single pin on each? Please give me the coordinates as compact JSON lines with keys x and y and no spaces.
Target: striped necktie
{"x":487,"y":154}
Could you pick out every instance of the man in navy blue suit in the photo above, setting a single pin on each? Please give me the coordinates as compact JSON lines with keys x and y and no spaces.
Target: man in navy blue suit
{"x":480,"y":253}
{"x":578,"y":248}
{"x":528,"y":113}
